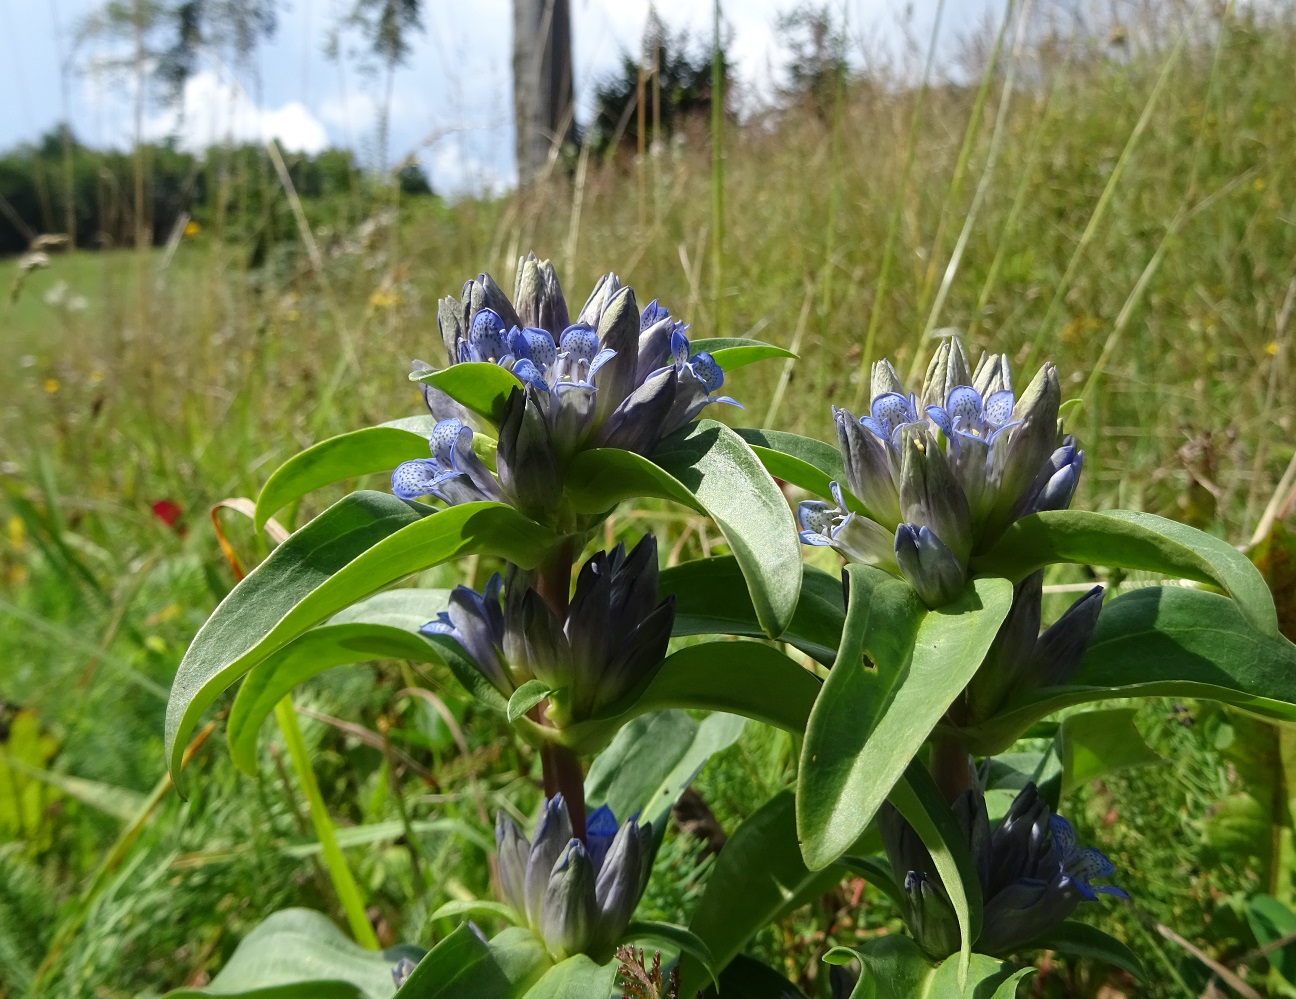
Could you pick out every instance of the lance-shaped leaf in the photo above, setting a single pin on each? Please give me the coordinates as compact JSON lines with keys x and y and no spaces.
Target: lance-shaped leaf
{"x":1078,"y":939}
{"x":300,"y":954}
{"x":803,"y":461}
{"x":1131,"y":540}
{"x":711,"y":598}
{"x":758,"y":878}
{"x":892,"y":967}
{"x":709,"y":468}
{"x":733,"y":352}
{"x":1163,"y":641}
{"x":364,"y":542}
{"x":870,"y":721}
{"x":463,"y":964}
{"x":479,"y":386}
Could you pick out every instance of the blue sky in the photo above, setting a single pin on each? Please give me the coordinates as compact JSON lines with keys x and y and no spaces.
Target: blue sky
{"x":452,"y":105}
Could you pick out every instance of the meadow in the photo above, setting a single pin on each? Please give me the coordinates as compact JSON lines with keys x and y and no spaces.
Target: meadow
{"x":1128,"y":210}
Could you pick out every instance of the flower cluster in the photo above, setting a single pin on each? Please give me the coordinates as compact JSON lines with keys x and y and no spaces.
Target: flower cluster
{"x":613,"y":637}
{"x":1032,"y":871}
{"x":936,"y":476}
{"x":616,"y":377}
{"x":577,"y":895}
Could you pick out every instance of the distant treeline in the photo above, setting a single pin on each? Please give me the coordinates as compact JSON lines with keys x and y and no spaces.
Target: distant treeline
{"x":58,"y":185}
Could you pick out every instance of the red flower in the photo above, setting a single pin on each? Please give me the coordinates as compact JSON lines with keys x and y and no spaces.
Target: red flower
{"x":167,"y":511}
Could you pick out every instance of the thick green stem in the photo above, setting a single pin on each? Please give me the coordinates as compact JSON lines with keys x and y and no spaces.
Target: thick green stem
{"x":562,"y":769}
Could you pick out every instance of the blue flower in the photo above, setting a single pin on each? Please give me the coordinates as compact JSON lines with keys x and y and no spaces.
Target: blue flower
{"x":1082,"y":865}
{"x":454,"y":473}
{"x":577,"y":895}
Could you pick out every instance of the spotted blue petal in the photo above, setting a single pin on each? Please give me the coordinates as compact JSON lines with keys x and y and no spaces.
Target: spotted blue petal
{"x":540,"y":347}
{"x":527,"y":371}
{"x":890,"y":410}
{"x":680,"y":348}
{"x":579,"y":342}
{"x":487,"y":334}
{"x":964,"y":407}
{"x":419,"y":477}
{"x":707,"y":371}
{"x":999,"y":408}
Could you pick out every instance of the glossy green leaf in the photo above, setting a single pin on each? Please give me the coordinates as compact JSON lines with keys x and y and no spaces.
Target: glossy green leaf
{"x":711,"y":598}
{"x":1272,"y":921}
{"x":676,"y":938}
{"x":1131,"y":540}
{"x":869,"y":722}
{"x":464,"y":965}
{"x":364,"y":542}
{"x":300,"y":954}
{"x":733,"y":352}
{"x":804,"y":461}
{"x":892,"y":967}
{"x":709,"y":468}
{"x":1167,"y":641}
{"x":347,"y":456}
{"x":1096,"y":743}
{"x":479,"y":386}
{"x":575,"y":978}
{"x":758,"y":878}
{"x":874,"y":870}
{"x":653,"y":759}
{"x":527,"y":697}
{"x":746,"y":977}
{"x":1077,"y":939}
{"x":385,"y":626}
{"x":470,"y":907}
{"x":918,"y":799}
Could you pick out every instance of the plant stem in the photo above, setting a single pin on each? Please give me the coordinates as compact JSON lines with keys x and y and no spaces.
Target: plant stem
{"x":949,"y":767}
{"x":562,"y":770}
{"x":344,"y":884}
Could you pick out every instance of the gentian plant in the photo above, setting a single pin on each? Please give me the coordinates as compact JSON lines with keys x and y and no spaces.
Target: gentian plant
{"x":909,"y":678}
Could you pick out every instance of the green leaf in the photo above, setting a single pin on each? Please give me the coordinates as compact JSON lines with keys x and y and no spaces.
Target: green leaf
{"x":1077,"y":939}
{"x":742,"y":678}
{"x":365,"y":541}
{"x":758,"y":878}
{"x":733,"y":352}
{"x":1097,"y":743}
{"x":1130,"y":540}
{"x":711,"y":598}
{"x":527,"y":697}
{"x":385,"y":626}
{"x":803,"y":461}
{"x":479,"y":386}
{"x":918,"y":799}
{"x":575,"y":978}
{"x":870,"y":722}
{"x":653,"y":759}
{"x":476,"y":907}
{"x":750,"y":979}
{"x":1163,"y":641}
{"x":347,"y":456}
{"x":892,"y":967}
{"x":709,"y":468}
{"x":111,"y":799}
{"x":300,"y":954}
{"x":674,"y":937}
{"x":1270,"y":921}
{"x":876,"y":871}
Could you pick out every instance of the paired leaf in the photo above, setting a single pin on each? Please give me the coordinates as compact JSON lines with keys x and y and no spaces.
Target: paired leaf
{"x":709,"y":468}
{"x":347,"y":456}
{"x":711,"y":598}
{"x":479,"y":386}
{"x":733,"y":352}
{"x":869,"y":722}
{"x":526,"y":697}
{"x":892,"y":967}
{"x":300,"y":954}
{"x":364,"y":542}
{"x":1077,"y":939}
{"x":1131,"y":540}
{"x":803,"y":461}
{"x":1096,"y":743}
{"x":1164,"y":641}
{"x":758,"y":878}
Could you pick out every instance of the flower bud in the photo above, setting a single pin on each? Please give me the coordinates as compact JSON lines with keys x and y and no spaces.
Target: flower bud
{"x":1058,"y":652}
{"x":884,"y":380}
{"x":524,"y":458}
{"x":568,"y":912}
{"x":929,"y":494}
{"x":604,"y":290}
{"x":553,"y":833}
{"x":948,"y":370}
{"x":513,"y":851}
{"x":992,"y":375}
{"x":870,"y":468}
{"x":1056,"y":483}
{"x":935,"y":572}
{"x":1028,"y":447}
{"x":1009,"y":658}
{"x":538,"y":296}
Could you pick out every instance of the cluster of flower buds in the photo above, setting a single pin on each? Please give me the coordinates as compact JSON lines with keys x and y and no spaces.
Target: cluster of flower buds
{"x":1033,"y":874}
{"x":937,"y":476}
{"x":616,"y":377}
{"x":614,"y":636}
{"x":577,"y":895}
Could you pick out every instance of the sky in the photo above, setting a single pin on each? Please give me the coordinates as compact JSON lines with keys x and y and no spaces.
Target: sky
{"x":451,"y":102}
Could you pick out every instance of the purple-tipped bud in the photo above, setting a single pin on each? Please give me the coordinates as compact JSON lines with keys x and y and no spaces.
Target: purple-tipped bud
{"x":401,"y":971}
{"x":935,"y":572}
{"x":930,"y":495}
{"x":553,"y":833}
{"x":948,"y":369}
{"x":568,"y":912}
{"x":1056,"y":484}
{"x":538,"y":296}
{"x":884,"y":380}
{"x":1059,"y":650}
{"x":514,"y":850}
{"x":870,"y":468}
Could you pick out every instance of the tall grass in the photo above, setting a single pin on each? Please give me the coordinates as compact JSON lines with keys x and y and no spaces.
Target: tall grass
{"x":1133,"y":221}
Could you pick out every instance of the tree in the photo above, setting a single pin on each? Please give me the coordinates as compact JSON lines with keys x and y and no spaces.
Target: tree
{"x":387,"y":26}
{"x":816,"y":56}
{"x":543,"y":111}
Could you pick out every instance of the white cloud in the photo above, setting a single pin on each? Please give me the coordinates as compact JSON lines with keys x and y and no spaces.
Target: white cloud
{"x":213,"y":111}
